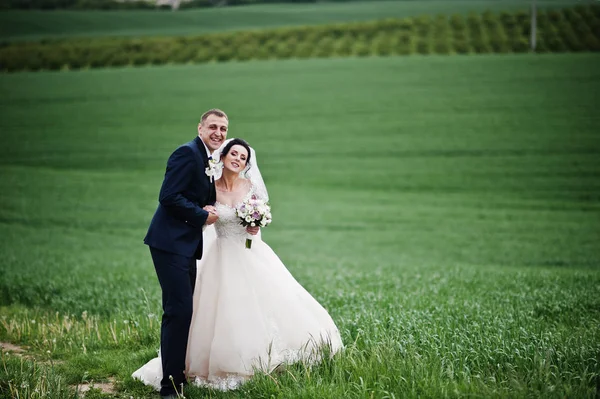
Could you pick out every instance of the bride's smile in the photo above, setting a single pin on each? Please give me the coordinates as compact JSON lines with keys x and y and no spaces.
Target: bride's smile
{"x":235,"y":160}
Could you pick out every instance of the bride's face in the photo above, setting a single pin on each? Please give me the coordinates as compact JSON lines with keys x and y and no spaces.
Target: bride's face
{"x":235,"y":160}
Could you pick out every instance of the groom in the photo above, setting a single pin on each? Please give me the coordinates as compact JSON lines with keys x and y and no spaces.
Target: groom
{"x":186,"y":202}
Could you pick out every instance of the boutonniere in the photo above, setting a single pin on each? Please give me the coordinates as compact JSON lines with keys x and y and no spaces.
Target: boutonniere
{"x":212,"y":168}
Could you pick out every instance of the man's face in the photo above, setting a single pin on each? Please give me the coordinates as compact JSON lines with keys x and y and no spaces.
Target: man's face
{"x":213,"y":131}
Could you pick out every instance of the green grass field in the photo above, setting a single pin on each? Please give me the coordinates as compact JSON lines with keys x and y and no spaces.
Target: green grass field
{"x":445,"y":210}
{"x":33,"y":25}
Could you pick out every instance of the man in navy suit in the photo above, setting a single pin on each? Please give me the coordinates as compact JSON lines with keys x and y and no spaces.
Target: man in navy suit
{"x":185,"y":205}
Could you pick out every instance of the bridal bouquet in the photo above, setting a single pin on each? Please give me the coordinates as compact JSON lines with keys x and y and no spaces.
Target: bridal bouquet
{"x":254,"y":212}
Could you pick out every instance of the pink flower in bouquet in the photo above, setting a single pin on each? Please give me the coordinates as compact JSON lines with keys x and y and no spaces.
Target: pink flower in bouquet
{"x":254,"y":212}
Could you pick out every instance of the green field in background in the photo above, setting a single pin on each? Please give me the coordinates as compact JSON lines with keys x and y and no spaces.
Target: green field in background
{"x":34,"y":25}
{"x":445,"y":210}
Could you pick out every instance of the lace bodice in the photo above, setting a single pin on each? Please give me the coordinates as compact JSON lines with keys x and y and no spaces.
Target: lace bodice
{"x":228,"y":225}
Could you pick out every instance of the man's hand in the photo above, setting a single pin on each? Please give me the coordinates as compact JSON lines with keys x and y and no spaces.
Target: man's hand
{"x":253,"y":230}
{"x":213,"y":216}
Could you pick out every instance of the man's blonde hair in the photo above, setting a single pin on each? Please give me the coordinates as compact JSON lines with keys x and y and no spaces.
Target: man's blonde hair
{"x":214,"y":111}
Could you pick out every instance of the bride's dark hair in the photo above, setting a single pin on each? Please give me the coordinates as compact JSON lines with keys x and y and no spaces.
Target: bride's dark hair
{"x":238,"y":142}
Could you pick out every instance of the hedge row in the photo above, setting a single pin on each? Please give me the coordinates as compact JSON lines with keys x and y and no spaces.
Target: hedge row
{"x":572,"y":29}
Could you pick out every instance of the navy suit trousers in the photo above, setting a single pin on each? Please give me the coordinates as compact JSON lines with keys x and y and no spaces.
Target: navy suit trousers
{"x":177,"y":277}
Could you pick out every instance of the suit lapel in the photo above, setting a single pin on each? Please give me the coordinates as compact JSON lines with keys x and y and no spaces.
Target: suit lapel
{"x":200,"y":150}
{"x":213,"y":193}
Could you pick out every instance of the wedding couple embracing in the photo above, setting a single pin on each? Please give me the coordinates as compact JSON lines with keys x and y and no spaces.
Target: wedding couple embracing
{"x":228,"y":310}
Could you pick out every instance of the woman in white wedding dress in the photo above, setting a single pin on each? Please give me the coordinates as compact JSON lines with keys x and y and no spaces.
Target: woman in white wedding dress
{"x":249,"y":312}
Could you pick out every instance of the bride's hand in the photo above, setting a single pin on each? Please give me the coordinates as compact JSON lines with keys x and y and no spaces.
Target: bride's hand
{"x":253,"y":230}
{"x":211,"y":209}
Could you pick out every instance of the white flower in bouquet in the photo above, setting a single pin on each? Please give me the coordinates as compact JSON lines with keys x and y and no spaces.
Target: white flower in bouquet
{"x":254,"y":212}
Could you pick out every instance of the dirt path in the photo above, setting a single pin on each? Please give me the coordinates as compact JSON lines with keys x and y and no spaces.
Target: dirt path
{"x":8,"y":347}
{"x":105,"y":387}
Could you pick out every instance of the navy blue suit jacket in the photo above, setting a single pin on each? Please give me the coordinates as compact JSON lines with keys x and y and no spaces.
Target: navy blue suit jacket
{"x":177,"y":223}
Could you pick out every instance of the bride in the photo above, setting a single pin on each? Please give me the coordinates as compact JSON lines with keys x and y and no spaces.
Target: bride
{"x":249,"y":312}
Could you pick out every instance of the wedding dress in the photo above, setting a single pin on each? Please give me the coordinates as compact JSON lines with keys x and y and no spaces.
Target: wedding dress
{"x":249,"y":313}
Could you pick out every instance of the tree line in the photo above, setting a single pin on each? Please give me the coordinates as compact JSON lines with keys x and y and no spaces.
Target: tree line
{"x":574,"y":29}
